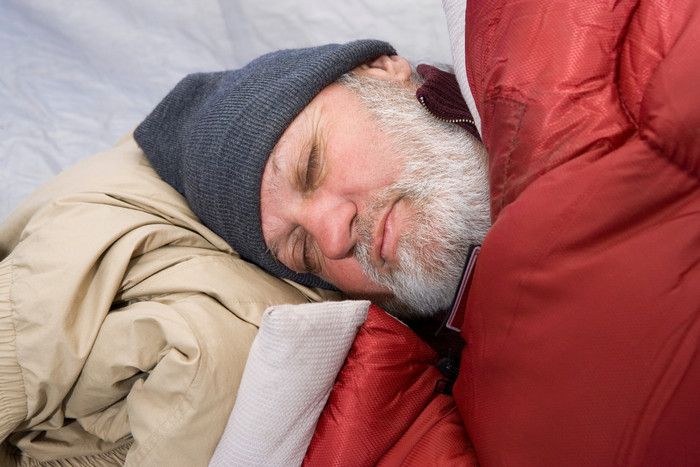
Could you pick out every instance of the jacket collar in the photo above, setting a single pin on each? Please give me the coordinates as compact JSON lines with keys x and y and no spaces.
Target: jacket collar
{"x":454,"y":318}
{"x":442,"y":98}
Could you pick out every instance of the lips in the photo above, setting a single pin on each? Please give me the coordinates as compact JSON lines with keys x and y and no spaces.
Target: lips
{"x":388,"y":244}
{"x":385,"y":238}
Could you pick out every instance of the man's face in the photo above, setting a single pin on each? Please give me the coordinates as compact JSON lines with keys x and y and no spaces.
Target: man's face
{"x":329,"y":165}
{"x":340,"y":200}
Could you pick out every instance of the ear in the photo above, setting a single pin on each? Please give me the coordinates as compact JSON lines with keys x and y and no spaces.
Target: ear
{"x":386,"y":67}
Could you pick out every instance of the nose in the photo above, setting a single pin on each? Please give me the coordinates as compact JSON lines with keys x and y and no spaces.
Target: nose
{"x":331,"y":222}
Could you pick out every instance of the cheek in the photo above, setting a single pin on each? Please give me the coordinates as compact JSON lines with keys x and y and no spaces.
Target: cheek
{"x":362,"y":163}
{"x":348,"y":276}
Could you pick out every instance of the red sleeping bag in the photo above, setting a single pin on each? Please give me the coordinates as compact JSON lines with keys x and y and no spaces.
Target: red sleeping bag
{"x":384,"y":409}
{"x":583,"y":322}
{"x":582,"y":326}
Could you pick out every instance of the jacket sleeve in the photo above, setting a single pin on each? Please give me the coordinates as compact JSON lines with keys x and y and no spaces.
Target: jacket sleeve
{"x":157,"y":358}
{"x":127,"y":319}
{"x":160,"y":380}
{"x":168,"y":373}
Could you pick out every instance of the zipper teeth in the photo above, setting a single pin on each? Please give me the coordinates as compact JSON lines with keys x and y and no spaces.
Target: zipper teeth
{"x":457,"y":120}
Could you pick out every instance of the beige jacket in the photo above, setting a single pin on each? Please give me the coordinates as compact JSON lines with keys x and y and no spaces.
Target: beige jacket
{"x":124,"y":322}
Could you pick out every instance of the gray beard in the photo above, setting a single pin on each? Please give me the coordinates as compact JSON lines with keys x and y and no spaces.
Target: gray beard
{"x":444,"y":178}
{"x":432,"y":252}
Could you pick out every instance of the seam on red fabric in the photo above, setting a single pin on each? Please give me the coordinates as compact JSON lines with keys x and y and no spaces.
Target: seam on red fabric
{"x":511,"y":149}
{"x":662,"y":154}
{"x":521,"y":108}
{"x":618,"y":67}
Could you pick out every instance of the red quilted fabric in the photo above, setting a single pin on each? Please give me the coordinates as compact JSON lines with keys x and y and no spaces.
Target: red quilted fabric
{"x":383,"y":408}
{"x":583,"y":320}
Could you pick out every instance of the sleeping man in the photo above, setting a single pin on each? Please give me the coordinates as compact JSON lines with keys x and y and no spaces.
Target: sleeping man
{"x":364,"y":189}
{"x":127,"y":311}
{"x":126,"y":277}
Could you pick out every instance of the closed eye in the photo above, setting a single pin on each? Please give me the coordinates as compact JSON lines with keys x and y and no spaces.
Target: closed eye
{"x":312,"y":264}
{"x":304,"y":252}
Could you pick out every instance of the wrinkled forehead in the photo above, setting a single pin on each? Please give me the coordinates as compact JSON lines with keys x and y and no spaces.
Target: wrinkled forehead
{"x":300,"y":134}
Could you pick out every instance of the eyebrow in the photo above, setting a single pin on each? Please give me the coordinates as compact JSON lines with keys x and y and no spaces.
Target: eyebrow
{"x":317,"y":156}
{"x":311,"y":160}
{"x":307,"y":152}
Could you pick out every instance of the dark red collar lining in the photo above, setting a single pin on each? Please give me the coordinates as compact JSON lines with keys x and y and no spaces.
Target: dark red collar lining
{"x":441,"y":95}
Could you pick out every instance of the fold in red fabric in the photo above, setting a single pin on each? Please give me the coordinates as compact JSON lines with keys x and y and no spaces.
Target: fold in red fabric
{"x":383,"y":408}
{"x":582,"y":327}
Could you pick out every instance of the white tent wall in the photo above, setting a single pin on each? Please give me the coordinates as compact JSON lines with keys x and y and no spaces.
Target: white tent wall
{"x":76,"y":76}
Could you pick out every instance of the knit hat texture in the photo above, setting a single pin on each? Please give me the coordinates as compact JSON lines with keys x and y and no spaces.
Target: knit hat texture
{"x":211,"y":136}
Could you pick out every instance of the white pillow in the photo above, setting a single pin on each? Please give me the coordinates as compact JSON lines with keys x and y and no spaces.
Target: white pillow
{"x":291,"y":369}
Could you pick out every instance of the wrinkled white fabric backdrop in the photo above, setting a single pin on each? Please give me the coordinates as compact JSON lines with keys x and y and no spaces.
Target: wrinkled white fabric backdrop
{"x":76,"y":76}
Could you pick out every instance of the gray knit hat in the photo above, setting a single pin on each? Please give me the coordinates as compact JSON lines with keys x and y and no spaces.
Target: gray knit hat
{"x":211,"y":136}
